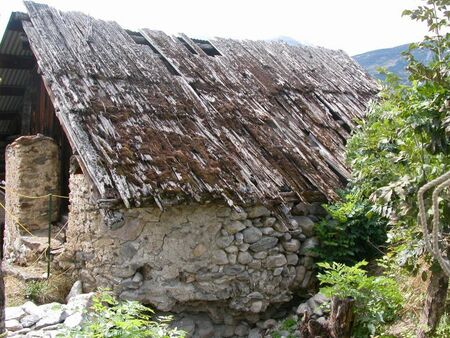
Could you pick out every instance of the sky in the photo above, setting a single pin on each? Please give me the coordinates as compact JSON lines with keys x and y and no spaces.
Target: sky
{"x":355,"y":26}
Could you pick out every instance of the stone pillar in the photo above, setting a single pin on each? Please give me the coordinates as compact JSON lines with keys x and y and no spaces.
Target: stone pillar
{"x":32,"y":169}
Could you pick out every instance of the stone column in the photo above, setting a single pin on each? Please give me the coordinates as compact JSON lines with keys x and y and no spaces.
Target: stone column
{"x":32,"y":169}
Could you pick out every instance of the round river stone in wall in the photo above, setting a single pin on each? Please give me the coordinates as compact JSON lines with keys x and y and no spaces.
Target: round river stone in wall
{"x":252,"y":235}
{"x":264,"y":243}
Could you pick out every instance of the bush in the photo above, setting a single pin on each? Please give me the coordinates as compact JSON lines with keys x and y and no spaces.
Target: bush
{"x":37,"y":291}
{"x":110,"y":318}
{"x":377,"y":299}
{"x":353,"y":233}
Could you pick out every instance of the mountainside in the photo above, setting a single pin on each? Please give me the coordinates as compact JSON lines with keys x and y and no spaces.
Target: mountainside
{"x":389,"y":58}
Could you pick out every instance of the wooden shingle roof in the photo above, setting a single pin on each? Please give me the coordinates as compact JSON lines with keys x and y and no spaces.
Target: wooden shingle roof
{"x":165,"y":118}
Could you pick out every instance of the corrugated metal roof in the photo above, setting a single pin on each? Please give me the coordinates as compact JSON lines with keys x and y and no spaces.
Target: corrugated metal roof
{"x":14,"y":42}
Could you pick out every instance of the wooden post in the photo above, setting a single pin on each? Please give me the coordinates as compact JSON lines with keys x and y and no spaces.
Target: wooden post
{"x":339,"y":325}
{"x":341,"y":317}
{"x":49,"y":234}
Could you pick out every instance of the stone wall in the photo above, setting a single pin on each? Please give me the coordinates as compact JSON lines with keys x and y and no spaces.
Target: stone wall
{"x":32,"y":169}
{"x":192,"y":258}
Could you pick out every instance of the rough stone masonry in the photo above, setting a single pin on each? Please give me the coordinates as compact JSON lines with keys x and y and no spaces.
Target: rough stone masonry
{"x":192,"y":258}
{"x":32,"y":170}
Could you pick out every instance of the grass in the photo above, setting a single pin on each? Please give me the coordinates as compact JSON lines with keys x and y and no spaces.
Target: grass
{"x":40,"y":292}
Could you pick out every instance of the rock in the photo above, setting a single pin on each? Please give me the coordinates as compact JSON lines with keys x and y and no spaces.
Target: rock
{"x":233,"y":270}
{"x":277,"y":271}
{"x":260,"y":255}
{"x":74,"y":320}
{"x":306,"y":224}
{"x":241,"y":330}
{"x":307,"y":279}
{"x":256,"y":264}
{"x":292,"y":245}
{"x":220,"y":257}
{"x":254,"y":333}
{"x":244,"y":258}
{"x":263,"y":244}
{"x":223,"y":242}
{"x":137,"y":278}
{"x":51,"y":317}
{"x":320,"y":298}
{"x":13,"y":325}
{"x":292,"y":259}
{"x":280,"y":227}
{"x":234,"y":227}
{"x":205,"y":329}
{"x":276,"y":261}
{"x":269,"y":324}
{"x":257,"y":306}
{"x":232,"y":249}
{"x":186,"y":324}
{"x":269,"y":221}
{"x":199,"y":250}
{"x":238,"y":216}
{"x":287,"y":236}
{"x":244,"y":247}
{"x":15,"y":312}
{"x":75,"y":290}
{"x":232,"y":258}
{"x":300,"y":275}
{"x":258,"y":211}
{"x":301,"y":209}
{"x":252,"y":235}
{"x":78,"y":303}
{"x":315,"y":307}
{"x":302,"y":308}
{"x":267,"y":231}
{"x":30,"y":308}
{"x":239,"y":238}
{"x":29,"y":320}
{"x":293,"y":225}
{"x":308,"y":245}
{"x":308,"y":262}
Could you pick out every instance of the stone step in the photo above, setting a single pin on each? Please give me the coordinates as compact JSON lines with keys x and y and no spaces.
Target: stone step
{"x":39,"y":244}
{"x":26,"y":273}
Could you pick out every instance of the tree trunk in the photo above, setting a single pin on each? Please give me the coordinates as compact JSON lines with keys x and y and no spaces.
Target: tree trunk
{"x":339,"y":325}
{"x":341,"y":317}
{"x":434,"y":305}
{"x":2,"y":284}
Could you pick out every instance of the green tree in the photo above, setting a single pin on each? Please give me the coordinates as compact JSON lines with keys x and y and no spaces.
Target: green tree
{"x":403,"y":144}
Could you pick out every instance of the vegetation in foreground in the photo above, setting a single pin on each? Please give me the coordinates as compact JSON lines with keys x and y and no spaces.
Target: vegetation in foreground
{"x":111,"y":318}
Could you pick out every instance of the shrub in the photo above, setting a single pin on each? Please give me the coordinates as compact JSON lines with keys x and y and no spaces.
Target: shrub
{"x":111,"y":318}
{"x":353,"y":233}
{"x":37,"y":291}
{"x":377,"y":299}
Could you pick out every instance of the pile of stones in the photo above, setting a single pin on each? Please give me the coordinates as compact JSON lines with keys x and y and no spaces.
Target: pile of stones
{"x":48,"y":320}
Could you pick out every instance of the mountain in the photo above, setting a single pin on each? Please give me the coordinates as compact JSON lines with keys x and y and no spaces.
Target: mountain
{"x":391,"y":59}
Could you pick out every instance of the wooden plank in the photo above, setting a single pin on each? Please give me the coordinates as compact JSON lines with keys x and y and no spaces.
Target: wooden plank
{"x":7,"y":115}
{"x":6,"y":90}
{"x":16,"y":61}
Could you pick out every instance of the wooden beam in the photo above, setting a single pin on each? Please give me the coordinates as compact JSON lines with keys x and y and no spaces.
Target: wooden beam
{"x":6,"y":90}
{"x":9,"y":115}
{"x":16,"y":62}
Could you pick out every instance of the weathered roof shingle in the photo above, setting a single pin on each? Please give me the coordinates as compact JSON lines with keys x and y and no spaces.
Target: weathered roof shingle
{"x":154,"y":116}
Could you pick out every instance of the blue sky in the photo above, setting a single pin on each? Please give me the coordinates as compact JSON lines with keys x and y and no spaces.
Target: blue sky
{"x":355,"y":26}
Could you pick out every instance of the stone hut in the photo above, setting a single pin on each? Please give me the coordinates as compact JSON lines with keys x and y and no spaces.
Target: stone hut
{"x":195,"y":169}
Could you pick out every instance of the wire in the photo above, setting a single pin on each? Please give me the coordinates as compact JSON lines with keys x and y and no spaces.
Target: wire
{"x":31,"y":197}
{"x":16,"y":220}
